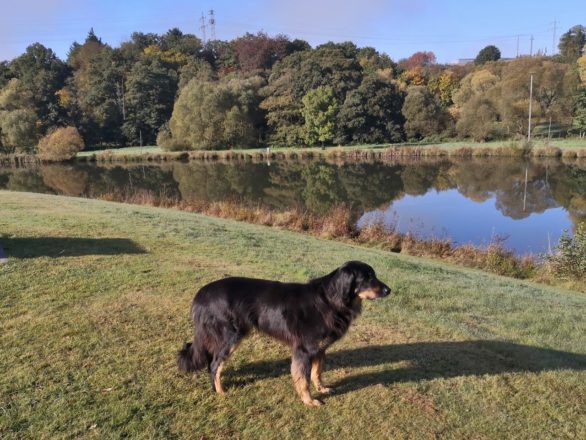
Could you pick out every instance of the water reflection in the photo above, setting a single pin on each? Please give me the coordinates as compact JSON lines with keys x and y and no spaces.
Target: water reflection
{"x":468,"y":200}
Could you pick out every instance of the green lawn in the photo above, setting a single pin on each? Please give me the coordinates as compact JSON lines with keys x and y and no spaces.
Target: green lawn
{"x":125,"y":150}
{"x":94,"y":303}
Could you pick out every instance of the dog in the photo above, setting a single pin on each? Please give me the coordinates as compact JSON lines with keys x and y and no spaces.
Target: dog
{"x":308,"y":317}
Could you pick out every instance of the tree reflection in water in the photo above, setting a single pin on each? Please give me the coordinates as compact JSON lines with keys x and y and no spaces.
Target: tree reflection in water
{"x":551,"y":186}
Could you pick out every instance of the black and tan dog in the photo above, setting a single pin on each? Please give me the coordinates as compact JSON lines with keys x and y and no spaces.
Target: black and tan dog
{"x":308,"y":317}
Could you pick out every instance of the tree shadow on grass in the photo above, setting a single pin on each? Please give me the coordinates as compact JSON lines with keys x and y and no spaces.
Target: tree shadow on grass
{"x":425,"y":361}
{"x":34,"y":247}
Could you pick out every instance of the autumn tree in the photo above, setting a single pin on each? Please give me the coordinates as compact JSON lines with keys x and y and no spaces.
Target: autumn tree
{"x":418,"y":59}
{"x":60,"y":144}
{"x":259,"y":51}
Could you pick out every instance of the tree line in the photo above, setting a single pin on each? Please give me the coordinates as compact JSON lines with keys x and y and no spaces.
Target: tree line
{"x":257,"y":90}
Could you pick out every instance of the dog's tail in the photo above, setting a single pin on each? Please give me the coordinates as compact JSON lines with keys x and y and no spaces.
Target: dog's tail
{"x":192,"y":357}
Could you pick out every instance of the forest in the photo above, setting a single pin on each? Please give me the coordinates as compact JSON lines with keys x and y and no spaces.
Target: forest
{"x":180,"y":93}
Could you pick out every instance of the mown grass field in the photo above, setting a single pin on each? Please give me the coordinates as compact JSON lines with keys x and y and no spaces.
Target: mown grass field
{"x":95,"y":300}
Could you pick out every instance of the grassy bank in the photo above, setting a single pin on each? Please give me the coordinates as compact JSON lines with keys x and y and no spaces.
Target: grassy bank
{"x":567,"y":148}
{"x":95,"y":301}
{"x":340,"y":224}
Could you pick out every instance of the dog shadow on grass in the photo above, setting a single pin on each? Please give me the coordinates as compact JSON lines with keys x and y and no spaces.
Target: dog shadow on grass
{"x":34,"y":247}
{"x":424,"y":361}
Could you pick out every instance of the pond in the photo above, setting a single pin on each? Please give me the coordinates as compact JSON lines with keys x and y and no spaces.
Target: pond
{"x":526,"y":203}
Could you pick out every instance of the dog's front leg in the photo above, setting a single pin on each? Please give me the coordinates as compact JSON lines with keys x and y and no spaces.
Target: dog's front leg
{"x":301,"y":371}
{"x":317,"y":366}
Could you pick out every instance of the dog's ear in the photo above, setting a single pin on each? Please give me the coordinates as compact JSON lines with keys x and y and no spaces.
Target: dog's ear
{"x":340,"y":285}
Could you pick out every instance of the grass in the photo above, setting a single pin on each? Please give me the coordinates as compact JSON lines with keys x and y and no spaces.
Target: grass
{"x":95,"y":300}
{"x":339,"y":223}
{"x":568,"y":148}
{"x":125,"y":150}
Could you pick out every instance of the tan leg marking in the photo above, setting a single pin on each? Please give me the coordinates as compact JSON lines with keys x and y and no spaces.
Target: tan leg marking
{"x":302,"y":386}
{"x":317,"y":366}
{"x":218,"y":381}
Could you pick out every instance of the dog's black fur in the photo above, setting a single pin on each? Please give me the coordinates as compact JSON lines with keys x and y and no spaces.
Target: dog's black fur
{"x":308,"y":317}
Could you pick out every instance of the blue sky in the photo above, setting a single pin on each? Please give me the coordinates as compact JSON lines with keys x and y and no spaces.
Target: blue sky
{"x":451,"y":29}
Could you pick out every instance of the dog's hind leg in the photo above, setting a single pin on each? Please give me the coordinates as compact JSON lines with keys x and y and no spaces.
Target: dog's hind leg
{"x":217,"y":364}
{"x":317,"y":366}
{"x":301,"y":371}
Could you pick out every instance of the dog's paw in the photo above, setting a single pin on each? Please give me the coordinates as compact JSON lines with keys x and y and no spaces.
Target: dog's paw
{"x":313,"y":402}
{"x":327,"y":390}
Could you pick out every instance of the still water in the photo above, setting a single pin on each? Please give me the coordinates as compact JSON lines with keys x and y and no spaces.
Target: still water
{"x":527,"y":203}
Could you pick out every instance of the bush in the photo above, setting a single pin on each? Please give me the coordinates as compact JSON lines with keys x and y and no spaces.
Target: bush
{"x":61,"y":144}
{"x":569,"y":260}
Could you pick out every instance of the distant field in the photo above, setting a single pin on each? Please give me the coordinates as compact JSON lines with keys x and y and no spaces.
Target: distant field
{"x":561,"y":143}
{"x":95,"y":301}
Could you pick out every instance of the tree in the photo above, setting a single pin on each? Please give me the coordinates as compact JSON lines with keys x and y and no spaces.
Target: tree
{"x":149,"y":97}
{"x":423,"y":114}
{"x":43,"y":74}
{"x":15,"y":96}
{"x":579,"y":121}
{"x":99,"y":101}
{"x":319,"y":112}
{"x":582,"y":67}
{"x":372,"y":113}
{"x":418,"y":59}
{"x":216,"y":115}
{"x":198,"y":69}
{"x":256,"y":52}
{"x":18,"y":130}
{"x":5,"y":73}
{"x":61,"y":144}
{"x":18,"y":120}
{"x":327,"y":66}
{"x":572,"y":43}
{"x":489,"y":53}
{"x":478,"y":120}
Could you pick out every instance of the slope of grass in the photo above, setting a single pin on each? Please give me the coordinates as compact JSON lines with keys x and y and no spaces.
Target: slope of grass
{"x":94,"y":303}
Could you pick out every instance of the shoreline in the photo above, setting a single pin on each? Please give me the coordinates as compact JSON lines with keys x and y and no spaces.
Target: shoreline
{"x":351,"y":153}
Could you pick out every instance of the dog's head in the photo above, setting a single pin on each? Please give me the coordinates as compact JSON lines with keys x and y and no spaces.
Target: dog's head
{"x":354,"y":280}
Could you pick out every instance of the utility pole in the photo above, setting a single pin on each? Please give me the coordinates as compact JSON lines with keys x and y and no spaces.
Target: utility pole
{"x":212,"y":23}
{"x":202,"y":27}
{"x":530,"y":99}
{"x":531,"y":47}
{"x":518,"y":46}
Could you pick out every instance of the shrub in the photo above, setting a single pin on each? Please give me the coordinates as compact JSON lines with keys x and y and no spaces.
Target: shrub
{"x":569,"y":259}
{"x":61,"y":144}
